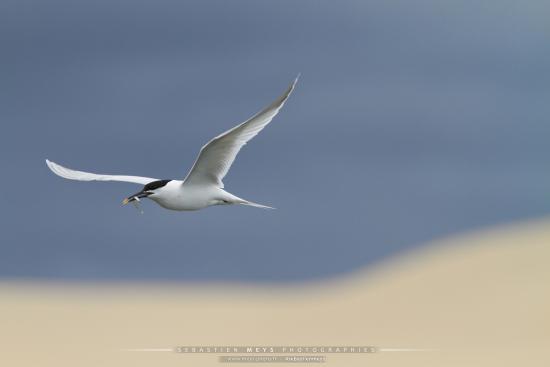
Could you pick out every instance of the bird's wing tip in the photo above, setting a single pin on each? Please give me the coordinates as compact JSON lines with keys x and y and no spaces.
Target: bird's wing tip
{"x":296,"y":80}
{"x":292,"y":86}
{"x":52,"y":165}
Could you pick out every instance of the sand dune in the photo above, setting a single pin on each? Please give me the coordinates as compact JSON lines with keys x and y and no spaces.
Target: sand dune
{"x":481,"y":299}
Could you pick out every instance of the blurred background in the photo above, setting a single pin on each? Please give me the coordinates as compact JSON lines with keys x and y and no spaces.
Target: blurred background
{"x":411,"y":121}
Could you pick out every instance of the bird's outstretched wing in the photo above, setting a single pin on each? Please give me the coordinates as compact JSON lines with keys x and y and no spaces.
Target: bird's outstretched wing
{"x":86,"y":176}
{"x":216,"y":157}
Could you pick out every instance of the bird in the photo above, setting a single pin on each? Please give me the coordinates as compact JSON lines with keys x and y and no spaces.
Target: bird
{"x":203,"y":186}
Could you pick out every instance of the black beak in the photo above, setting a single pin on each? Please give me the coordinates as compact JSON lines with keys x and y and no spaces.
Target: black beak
{"x":139,"y":195}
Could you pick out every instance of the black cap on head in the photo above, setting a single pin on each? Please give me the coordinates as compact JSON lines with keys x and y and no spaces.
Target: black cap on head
{"x":151,"y":186}
{"x":155,"y":185}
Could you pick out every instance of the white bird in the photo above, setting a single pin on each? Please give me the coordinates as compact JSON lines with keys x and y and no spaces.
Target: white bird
{"x":203,"y":186}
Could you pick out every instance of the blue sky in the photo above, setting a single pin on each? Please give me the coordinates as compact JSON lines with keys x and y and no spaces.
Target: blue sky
{"x":411,"y":121}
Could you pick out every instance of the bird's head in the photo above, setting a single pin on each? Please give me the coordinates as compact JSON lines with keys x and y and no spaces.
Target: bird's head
{"x":150,"y":189}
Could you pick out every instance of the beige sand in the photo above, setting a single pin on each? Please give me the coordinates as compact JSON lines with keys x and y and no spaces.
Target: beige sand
{"x":481,"y":300}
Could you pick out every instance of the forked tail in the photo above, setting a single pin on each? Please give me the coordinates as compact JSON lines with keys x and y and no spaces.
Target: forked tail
{"x":230,"y":198}
{"x":256,"y":205}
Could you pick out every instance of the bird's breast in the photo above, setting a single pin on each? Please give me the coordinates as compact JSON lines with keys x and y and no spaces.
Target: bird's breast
{"x":183,"y":198}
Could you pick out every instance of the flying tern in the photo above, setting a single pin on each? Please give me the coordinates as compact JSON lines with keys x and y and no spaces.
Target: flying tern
{"x":203,"y":185}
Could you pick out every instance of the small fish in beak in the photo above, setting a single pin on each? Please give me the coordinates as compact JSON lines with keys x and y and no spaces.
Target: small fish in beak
{"x":135,"y":199}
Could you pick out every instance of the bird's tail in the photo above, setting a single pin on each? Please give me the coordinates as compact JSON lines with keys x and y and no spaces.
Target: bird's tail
{"x":256,"y":205}
{"x":237,"y":200}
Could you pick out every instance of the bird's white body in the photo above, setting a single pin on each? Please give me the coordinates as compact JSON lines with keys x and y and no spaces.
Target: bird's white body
{"x":177,"y":195}
{"x":203,"y":186}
